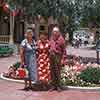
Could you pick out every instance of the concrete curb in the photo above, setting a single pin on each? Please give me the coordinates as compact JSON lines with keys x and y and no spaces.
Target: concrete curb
{"x":83,"y":88}
{"x":12,"y":80}
{"x":65,"y":87}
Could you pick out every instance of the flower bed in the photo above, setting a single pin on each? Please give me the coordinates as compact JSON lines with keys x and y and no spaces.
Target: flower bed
{"x":74,"y":73}
{"x":16,"y":72}
{"x":77,"y":73}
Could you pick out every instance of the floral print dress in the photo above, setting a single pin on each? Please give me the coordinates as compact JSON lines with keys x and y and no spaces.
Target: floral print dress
{"x":43,"y":61}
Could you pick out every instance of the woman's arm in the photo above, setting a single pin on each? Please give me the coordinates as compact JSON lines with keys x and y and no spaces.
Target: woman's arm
{"x":22,"y":56}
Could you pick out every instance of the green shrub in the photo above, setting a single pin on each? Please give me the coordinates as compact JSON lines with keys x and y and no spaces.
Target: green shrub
{"x":91,"y":75}
{"x":6,"y":50}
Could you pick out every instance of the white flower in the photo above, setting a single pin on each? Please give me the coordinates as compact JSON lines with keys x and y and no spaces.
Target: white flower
{"x":74,"y":67}
{"x":81,"y":80}
{"x":89,"y":64}
{"x":17,"y":72}
{"x":64,"y":79}
{"x":94,"y":65}
{"x":77,"y":63}
{"x":99,"y":66}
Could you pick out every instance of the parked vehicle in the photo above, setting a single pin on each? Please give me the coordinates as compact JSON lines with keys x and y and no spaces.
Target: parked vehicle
{"x":84,"y":36}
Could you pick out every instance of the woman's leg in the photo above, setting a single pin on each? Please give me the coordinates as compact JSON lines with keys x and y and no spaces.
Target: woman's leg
{"x":30,"y":84}
{"x":26,"y":85}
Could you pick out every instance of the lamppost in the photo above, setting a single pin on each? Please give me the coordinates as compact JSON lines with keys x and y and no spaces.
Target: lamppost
{"x":12,"y":22}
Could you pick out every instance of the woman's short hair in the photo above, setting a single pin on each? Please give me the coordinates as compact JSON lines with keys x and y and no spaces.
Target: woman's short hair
{"x":28,"y":31}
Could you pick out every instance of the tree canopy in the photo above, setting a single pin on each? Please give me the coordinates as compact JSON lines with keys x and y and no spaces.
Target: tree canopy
{"x":84,"y":13}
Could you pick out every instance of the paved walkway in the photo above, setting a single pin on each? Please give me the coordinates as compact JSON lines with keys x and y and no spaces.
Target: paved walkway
{"x":12,"y":90}
{"x":81,"y":52}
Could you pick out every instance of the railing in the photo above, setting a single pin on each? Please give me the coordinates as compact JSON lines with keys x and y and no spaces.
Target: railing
{"x":4,"y":38}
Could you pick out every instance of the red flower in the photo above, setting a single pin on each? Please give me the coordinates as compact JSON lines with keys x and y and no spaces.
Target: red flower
{"x":21,"y":72}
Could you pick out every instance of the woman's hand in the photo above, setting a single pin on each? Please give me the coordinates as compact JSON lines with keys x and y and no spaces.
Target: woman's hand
{"x":22,"y":65}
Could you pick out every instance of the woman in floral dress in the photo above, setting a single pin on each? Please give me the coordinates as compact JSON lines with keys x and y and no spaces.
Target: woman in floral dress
{"x":43,"y":59}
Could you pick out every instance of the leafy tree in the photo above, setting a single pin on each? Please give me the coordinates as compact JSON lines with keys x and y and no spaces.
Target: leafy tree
{"x":85,"y":12}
